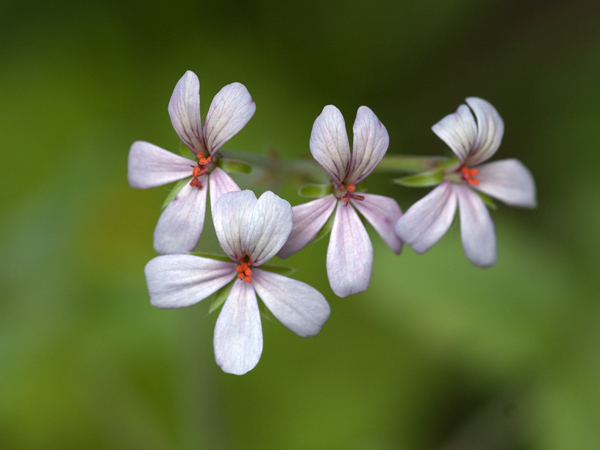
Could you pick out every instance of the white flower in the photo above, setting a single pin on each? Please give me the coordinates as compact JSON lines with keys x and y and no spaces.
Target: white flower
{"x":251,"y":232}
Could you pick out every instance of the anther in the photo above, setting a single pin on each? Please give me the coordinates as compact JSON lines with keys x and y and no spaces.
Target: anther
{"x":469,"y":175}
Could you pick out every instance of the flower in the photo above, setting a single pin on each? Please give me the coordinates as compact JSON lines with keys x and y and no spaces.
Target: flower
{"x":474,"y":140}
{"x":180,"y":225}
{"x":350,"y":253}
{"x":251,"y":232}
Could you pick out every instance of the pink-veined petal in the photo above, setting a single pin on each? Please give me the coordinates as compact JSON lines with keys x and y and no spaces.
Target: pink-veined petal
{"x":329,"y":143}
{"x":231,"y":217}
{"x":370,"y":143}
{"x":298,"y":306}
{"x":427,"y":221}
{"x":350,"y":253}
{"x":184,"y":109}
{"x":176,"y":281}
{"x":229,"y":112}
{"x":383,"y":213}
{"x":490,"y":129}
{"x":238,"y":340}
{"x":180,"y":224}
{"x":309,"y":218}
{"x":220,"y":183}
{"x":459,"y":131}
{"x":476,"y":228}
{"x":508,"y":180}
{"x":150,"y":166}
{"x":269,"y":228}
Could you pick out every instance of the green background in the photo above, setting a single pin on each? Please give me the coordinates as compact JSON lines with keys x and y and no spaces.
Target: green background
{"x":437,"y":354}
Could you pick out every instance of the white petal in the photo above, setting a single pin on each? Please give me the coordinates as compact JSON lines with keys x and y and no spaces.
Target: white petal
{"x":176,"y":281}
{"x":508,"y":180}
{"x":231,"y":217}
{"x":370,"y":143}
{"x":180,"y":225}
{"x":220,"y":183}
{"x":151,"y":166}
{"x":350,"y":253}
{"x":490,"y":129}
{"x":229,"y":112}
{"x":269,"y":228}
{"x":427,"y":221}
{"x":184,"y":109}
{"x":476,"y":228}
{"x":459,"y":131}
{"x":238,"y":340}
{"x":309,"y":218}
{"x":329,"y":143}
{"x":383,"y":213}
{"x":297,"y":305}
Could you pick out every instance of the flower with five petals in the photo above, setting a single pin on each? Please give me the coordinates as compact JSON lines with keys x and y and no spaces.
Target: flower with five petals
{"x":473,"y":140}
{"x":180,"y":225}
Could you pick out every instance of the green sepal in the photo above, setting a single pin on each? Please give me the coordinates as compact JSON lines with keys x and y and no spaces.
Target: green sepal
{"x":234,"y":166}
{"x":186,"y":152}
{"x":264,"y":311}
{"x":220,"y":296}
{"x":489,"y":202}
{"x":326,"y":228}
{"x":410,"y":164}
{"x":315,"y":190}
{"x":212,"y":256}
{"x":278,"y":268}
{"x":180,"y":184}
{"x":422,"y":180}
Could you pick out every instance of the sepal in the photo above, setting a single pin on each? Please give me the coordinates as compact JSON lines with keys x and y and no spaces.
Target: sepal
{"x":211,"y":256}
{"x":326,"y":229}
{"x":315,"y":190}
{"x":234,"y":166}
{"x":278,"y":268}
{"x":220,"y":297}
{"x":180,"y":184}
{"x":421,"y":180}
{"x":186,"y":152}
{"x":489,"y":202}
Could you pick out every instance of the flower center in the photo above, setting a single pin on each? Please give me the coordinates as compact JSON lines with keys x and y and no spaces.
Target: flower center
{"x":469,"y":175}
{"x":345,"y":193}
{"x":244,"y":271}
{"x":199,"y":170}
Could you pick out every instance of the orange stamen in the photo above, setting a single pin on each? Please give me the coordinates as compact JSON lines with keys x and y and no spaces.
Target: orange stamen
{"x":351,"y":188}
{"x":469,"y":175}
{"x":244,"y":271}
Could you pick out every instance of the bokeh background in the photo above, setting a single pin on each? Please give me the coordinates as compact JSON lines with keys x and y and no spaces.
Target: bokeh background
{"x":437,"y":354}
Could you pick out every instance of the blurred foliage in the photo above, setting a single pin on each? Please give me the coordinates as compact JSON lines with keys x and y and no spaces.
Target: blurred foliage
{"x":436,"y":354}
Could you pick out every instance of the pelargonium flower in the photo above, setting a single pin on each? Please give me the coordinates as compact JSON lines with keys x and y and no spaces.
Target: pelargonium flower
{"x":180,"y":225}
{"x":251,"y":232}
{"x":474,"y":140}
{"x":350,"y":253}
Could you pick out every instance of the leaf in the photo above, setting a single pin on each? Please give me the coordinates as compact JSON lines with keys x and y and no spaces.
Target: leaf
{"x":278,"y":268}
{"x":315,"y":190}
{"x":234,"y":166}
{"x":326,"y":229}
{"x":186,"y":152}
{"x":174,"y":191}
{"x":220,"y":296}
{"x":422,"y":180}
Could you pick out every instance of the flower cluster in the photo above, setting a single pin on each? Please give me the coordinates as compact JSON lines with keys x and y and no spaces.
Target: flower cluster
{"x":251,"y":231}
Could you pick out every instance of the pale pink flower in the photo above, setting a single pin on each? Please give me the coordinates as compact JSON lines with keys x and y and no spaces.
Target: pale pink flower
{"x":474,"y":139}
{"x":180,"y":225}
{"x":350,"y":253}
{"x":251,"y":232}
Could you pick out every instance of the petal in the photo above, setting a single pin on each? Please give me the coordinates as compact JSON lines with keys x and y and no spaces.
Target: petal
{"x":229,"y":112}
{"x":231,"y":217}
{"x":329,"y":143}
{"x":184,"y":109}
{"x":370,"y":143}
{"x":309,"y":218}
{"x":220,"y":183}
{"x":383,"y":213}
{"x":350,"y":253}
{"x":427,"y":221}
{"x":238,"y":340}
{"x":176,"y":281}
{"x":459,"y":131}
{"x":508,"y":180}
{"x":269,"y":228}
{"x":298,"y":306}
{"x":476,"y":228}
{"x":151,"y":166}
{"x":180,"y":225}
{"x":490,"y":129}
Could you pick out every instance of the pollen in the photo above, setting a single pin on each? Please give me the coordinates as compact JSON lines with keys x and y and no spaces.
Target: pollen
{"x":199,"y":170}
{"x":469,"y":175}
{"x":244,"y":271}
